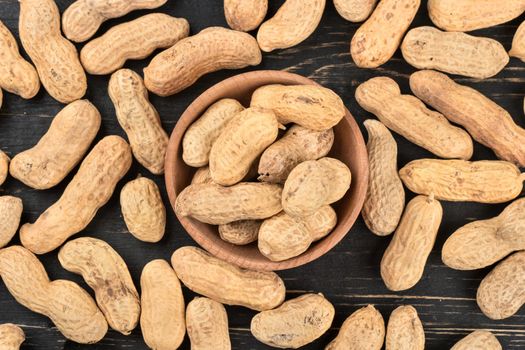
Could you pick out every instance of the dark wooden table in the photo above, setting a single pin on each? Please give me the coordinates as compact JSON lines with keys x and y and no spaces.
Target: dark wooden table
{"x":349,"y":275}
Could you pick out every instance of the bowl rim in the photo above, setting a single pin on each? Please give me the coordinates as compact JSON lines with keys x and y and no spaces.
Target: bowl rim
{"x":315,"y":251}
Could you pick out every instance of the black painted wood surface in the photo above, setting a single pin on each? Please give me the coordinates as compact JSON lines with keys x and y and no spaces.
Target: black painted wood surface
{"x":349,"y":275}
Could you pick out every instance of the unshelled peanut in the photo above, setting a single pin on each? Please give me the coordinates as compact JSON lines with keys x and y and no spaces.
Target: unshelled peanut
{"x":47,"y":163}
{"x":478,"y":340}
{"x":4,"y":166}
{"x":295,"y":323}
{"x":10,"y":212}
{"x":69,"y":307}
{"x":88,"y":191}
{"x":245,"y":15}
{"x":205,"y":274}
{"x":404,"y":330}
{"x":207,"y":324}
{"x":202,"y":176}
{"x":355,"y":10}
{"x":11,"y":336}
{"x":518,"y":43}
{"x":240,"y":232}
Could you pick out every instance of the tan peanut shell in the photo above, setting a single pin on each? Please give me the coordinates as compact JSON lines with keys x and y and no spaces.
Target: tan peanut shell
{"x":283,"y":237}
{"x":245,"y":137}
{"x":143,"y":210}
{"x":313,"y":107}
{"x":132,"y":40}
{"x":313,"y":184}
{"x":4,"y":166}
{"x":355,"y":10}
{"x":202,"y":176}
{"x":295,"y":323}
{"x":293,"y":23}
{"x":69,"y":307}
{"x":10,"y":213}
{"x":47,"y":163}
{"x":385,"y":199}
{"x":55,"y":58}
{"x":404,"y":330}
{"x":483,"y":242}
{"x":376,"y":41}
{"x":240,"y":232}
{"x":11,"y":336}
{"x":299,"y":144}
{"x":139,"y":119}
{"x":362,"y":330}
{"x":207,"y":324}
{"x":454,"y":53}
{"x":217,"y":205}
{"x":405,"y":258}
{"x":409,"y":117}
{"x":478,"y":340}
{"x":88,"y":191}
{"x":106,"y":273}
{"x":82,"y":18}
{"x":245,"y":15}
{"x":200,"y":136}
{"x":484,"y":181}
{"x":162,"y":318}
{"x":502,"y":292}
{"x":206,"y":275}
{"x":210,"y":50}
{"x":16,"y":74}
{"x":487,"y":122}
{"x":518,"y":43}
{"x":467,"y":15}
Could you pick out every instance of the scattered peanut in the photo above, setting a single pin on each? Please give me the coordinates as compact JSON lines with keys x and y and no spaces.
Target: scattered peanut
{"x":245,"y":15}
{"x":206,"y":275}
{"x":409,"y":117}
{"x":295,"y":323}
{"x":240,"y":232}
{"x":355,"y":10}
{"x":518,"y":43}
{"x":55,"y":58}
{"x":87,"y":192}
{"x":10,"y":213}
{"x":4,"y":166}
{"x":69,"y":307}
{"x":11,"y":336}
{"x":48,"y":162}
{"x":139,"y":119}
{"x":207,"y":324}
{"x":210,"y":50}
{"x":162,"y":318}
{"x":404,"y":330}
{"x":478,"y":340}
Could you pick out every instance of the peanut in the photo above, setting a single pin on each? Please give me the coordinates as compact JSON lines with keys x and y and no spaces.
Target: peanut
{"x":162,"y":318}
{"x":518,"y":43}
{"x":478,"y":340}
{"x":139,"y":119}
{"x":245,"y":15}
{"x":16,"y":74}
{"x":405,"y":258}
{"x":467,"y":15}
{"x":487,"y":122}
{"x":502,"y":292}
{"x":313,"y":184}
{"x":47,"y":163}
{"x":484,"y":181}
{"x":245,"y":137}
{"x":293,"y":23}
{"x":355,"y":10}
{"x":385,"y":199}
{"x":295,"y":323}
{"x":143,"y":210}
{"x":11,"y":336}
{"x":482,"y":243}
{"x":240,"y":232}
{"x":205,"y":274}
{"x":132,"y":40}
{"x":10,"y":213}
{"x":55,"y":58}
{"x":455,"y":53}
{"x":207,"y":324}
{"x":88,"y":191}
{"x":409,"y":117}
{"x":313,"y":107}
{"x":82,"y":18}
{"x":202,"y":176}
{"x":299,"y":144}
{"x":283,"y":237}
{"x":376,"y":41}
{"x":217,"y":205}
{"x":362,"y":330}
{"x":404,"y":330}
{"x":69,"y":307}
{"x":210,"y":50}
{"x":4,"y":166}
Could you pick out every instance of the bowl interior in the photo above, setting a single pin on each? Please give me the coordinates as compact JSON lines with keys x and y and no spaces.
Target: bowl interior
{"x":349,"y":147}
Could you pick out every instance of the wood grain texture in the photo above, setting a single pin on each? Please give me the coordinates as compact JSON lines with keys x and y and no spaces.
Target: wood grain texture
{"x":348,"y":276}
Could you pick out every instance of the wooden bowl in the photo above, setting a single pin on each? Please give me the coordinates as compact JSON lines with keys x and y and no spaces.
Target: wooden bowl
{"x":349,"y":147}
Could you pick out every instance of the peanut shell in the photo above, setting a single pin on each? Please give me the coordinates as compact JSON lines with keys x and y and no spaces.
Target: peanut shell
{"x":4,"y":166}
{"x":478,"y":340}
{"x":202,"y":176}
{"x":240,"y":232}
{"x":245,"y":15}
{"x":355,"y":10}
{"x":207,"y":324}
{"x":404,"y":330}
{"x":518,"y":43}
{"x":10,"y":212}
{"x":11,"y":336}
